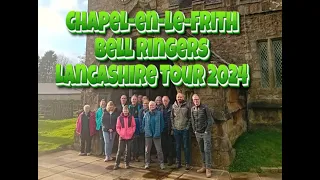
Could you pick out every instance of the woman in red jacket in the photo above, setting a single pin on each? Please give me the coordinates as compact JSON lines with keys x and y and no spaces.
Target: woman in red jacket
{"x":125,"y":127}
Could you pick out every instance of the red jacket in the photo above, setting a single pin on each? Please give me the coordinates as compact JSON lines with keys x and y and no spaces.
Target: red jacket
{"x":92,"y":123}
{"x":124,"y":128}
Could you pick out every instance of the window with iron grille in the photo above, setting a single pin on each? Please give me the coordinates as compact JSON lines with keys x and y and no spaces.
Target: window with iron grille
{"x":270,"y":57}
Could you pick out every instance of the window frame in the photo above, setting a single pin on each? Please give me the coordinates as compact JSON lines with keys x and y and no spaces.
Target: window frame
{"x":271,"y":62}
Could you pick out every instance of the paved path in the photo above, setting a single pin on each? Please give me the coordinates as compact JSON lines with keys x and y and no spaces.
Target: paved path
{"x":67,"y":165}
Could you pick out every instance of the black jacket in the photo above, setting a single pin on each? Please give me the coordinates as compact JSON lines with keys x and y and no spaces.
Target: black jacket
{"x":166,"y":117}
{"x":201,"y":120}
{"x":109,"y":121}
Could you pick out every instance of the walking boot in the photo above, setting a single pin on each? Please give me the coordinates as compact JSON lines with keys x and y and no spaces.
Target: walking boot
{"x":178,"y":165}
{"x":162,"y":166}
{"x":202,"y":169}
{"x":208,"y":173}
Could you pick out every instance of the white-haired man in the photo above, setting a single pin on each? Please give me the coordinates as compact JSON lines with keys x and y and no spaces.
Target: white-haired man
{"x":86,"y":128}
{"x":202,"y":121}
{"x":153,"y":125}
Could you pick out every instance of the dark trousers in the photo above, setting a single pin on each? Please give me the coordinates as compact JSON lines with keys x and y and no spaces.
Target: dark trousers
{"x":102,"y":141}
{"x":85,"y":143}
{"x":123,"y":148}
{"x":141,"y":142}
{"x":135,"y":146}
{"x":167,"y":145}
{"x":182,"y":136}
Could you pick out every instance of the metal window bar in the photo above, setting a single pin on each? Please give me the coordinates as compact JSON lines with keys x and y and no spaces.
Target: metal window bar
{"x":263,"y":55}
{"x":277,"y":52}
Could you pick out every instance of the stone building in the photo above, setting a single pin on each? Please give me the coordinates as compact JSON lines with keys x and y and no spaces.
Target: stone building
{"x":259,"y":45}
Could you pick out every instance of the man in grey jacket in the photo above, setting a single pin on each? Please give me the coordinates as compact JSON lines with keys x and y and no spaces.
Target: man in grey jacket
{"x":180,"y":119}
{"x":202,"y":121}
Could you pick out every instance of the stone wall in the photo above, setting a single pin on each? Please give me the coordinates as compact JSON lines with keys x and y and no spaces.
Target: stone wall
{"x":260,"y":19}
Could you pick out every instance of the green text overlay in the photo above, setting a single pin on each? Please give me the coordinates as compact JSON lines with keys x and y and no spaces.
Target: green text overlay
{"x":149,"y":22}
{"x":144,"y":45}
{"x":141,"y":76}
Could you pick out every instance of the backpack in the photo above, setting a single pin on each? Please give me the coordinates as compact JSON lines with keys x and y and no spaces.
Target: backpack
{"x":122,"y":121}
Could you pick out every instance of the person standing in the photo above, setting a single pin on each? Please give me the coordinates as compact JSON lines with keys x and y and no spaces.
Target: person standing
{"x":180,"y":120}
{"x":145,"y":98}
{"x":86,"y":128}
{"x":153,"y":126}
{"x":158,"y":101}
{"x":140,"y":99}
{"x":109,"y":121}
{"x":142,"y":112}
{"x":166,"y":138}
{"x":99,"y":113}
{"x":125,"y":127}
{"x":123,"y":102}
{"x":202,"y":121}
{"x":134,"y":109}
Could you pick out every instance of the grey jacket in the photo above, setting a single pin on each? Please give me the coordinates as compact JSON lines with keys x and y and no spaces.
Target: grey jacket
{"x":201,"y":119}
{"x":180,"y":116}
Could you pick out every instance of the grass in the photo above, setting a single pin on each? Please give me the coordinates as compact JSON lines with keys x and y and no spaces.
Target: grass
{"x":53,"y":134}
{"x":260,"y":147}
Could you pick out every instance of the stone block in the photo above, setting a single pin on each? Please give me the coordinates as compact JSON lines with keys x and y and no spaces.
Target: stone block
{"x":224,"y":159}
{"x":225,"y":145}
{"x":216,"y":158}
{"x":270,"y":169}
{"x":244,"y":175}
{"x":256,"y":74}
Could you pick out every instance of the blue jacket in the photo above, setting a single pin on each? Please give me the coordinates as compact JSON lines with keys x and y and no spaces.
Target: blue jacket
{"x":99,"y":118}
{"x":135,"y":114}
{"x":153,"y":124}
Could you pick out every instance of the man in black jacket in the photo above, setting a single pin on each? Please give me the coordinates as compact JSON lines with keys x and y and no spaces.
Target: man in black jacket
{"x":202,"y":121}
{"x":166,"y":137}
{"x":123,"y":102}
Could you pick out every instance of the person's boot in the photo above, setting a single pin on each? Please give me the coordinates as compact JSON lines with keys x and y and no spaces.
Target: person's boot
{"x":115,"y":167}
{"x":208,"y":173}
{"x":178,"y":165}
{"x":202,"y":169}
{"x":187,"y":167}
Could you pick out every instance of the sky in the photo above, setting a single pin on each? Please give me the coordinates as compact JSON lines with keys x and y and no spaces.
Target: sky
{"x":52,"y":31}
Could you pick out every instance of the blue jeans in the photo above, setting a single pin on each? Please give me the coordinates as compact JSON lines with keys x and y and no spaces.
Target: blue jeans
{"x":102,"y":140}
{"x":182,"y":136}
{"x":204,"y":141}
{"x":108,"y":140}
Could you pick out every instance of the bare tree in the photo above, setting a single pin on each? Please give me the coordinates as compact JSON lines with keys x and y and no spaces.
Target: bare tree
{"x":82,"y":59}
{"x":63,"y":60}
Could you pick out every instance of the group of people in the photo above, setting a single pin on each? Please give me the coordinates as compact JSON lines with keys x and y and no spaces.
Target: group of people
{"x":143,"y":123}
